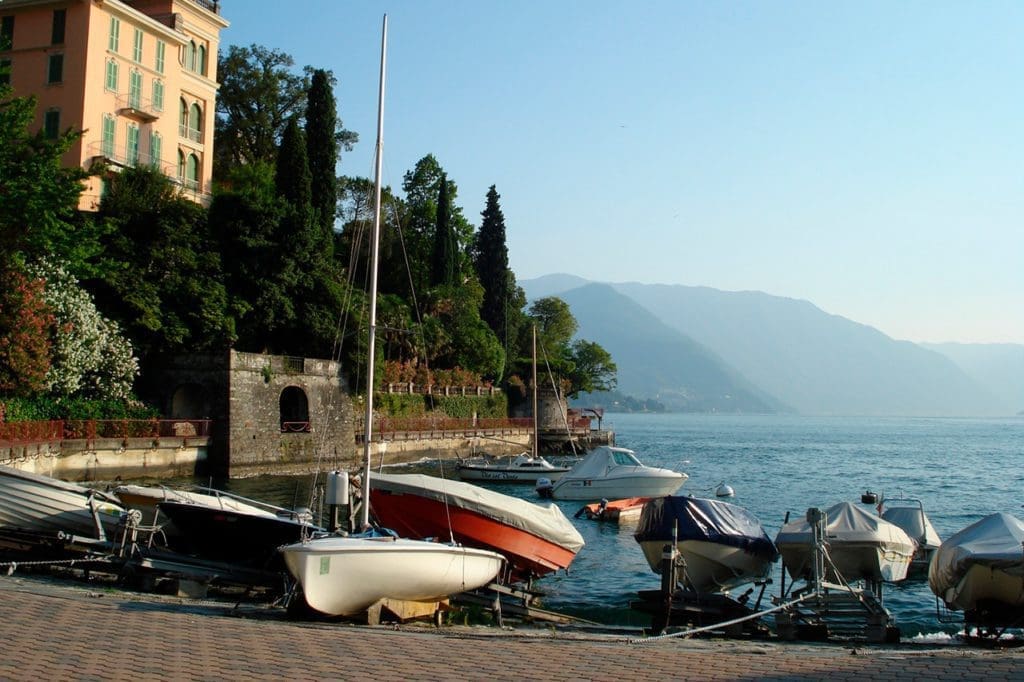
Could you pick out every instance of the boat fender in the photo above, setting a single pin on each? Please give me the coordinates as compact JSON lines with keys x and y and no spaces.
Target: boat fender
{"x":724,"y":490}
{"x":544,"y":487}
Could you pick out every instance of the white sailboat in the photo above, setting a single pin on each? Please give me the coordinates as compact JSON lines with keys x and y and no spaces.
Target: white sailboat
{"x":344,"y":576}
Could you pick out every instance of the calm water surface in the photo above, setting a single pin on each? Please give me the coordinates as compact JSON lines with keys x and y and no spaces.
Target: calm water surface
{"x":962,"y":469}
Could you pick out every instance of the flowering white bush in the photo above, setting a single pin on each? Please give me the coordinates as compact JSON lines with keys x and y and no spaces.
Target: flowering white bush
{"x":91,"y":358}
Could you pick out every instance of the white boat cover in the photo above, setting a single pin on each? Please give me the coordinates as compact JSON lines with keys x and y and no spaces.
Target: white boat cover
{"x":995,"y":542}
{"x":544,"y":522}
{"x":915,"y":523}
{"x":57,"y":484}
{"x":850,"y":528}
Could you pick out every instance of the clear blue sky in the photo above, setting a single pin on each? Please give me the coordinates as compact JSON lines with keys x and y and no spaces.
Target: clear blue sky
{"x":865,"y":156}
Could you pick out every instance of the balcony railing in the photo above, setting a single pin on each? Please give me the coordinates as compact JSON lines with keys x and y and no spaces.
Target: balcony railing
{"x":121,"y":156}
{"x":190,"y":133}
{"x":138,"y":106}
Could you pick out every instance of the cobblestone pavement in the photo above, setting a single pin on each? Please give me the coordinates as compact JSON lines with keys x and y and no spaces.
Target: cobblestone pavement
{"x":57,"y":631}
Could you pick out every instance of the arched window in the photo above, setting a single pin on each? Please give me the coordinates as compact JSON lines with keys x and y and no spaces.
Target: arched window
{"x":195,"y":118}
{"x":201,"y":60}
{"x":181,"y":165}
{"x":192,"y":171}
{"x":190,"y":56}
{"x":294,"y":410}
{"x":183,"y":118}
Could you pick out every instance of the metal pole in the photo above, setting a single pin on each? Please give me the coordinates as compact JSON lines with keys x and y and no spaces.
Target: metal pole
{"x":364,"y":517}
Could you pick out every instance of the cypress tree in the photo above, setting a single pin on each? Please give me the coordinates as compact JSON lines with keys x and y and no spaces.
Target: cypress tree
{"x":492,"y":264}
{"x":322,"y":150}
{"x":445,"y":269}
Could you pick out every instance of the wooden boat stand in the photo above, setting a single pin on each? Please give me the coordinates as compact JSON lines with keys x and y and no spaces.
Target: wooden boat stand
{"x":674,"y":605}
{"x":825,"y":609}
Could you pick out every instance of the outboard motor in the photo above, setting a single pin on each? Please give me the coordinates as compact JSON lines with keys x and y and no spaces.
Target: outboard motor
{"x":545,"y":487}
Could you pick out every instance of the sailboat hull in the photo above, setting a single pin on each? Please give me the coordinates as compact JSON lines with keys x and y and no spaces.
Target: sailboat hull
{"x":344,"y":576}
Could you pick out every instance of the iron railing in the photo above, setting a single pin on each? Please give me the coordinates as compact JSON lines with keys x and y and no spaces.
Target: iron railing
{"x":90,"y":430}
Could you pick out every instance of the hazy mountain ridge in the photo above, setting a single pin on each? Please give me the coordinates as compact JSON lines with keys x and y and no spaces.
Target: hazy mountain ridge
{"x":999,"y":367}
{"x":695,"y":380}
{"x":789,"y":349}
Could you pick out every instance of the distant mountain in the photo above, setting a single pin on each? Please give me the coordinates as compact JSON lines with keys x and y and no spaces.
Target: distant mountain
{"x":999,"y":367}
{"x":802,"y":356}
{"x":656,"y":361}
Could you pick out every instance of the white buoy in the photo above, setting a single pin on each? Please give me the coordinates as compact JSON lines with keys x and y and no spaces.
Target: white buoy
{"x":724,"y":490}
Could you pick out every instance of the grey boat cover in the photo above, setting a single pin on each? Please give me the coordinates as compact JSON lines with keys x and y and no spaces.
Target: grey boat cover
{"x":915,"y":523}
{"x":848,"y":523}
{"x":994,"y":541}
{"x":700,"y":519}
{"x":548,"y":522}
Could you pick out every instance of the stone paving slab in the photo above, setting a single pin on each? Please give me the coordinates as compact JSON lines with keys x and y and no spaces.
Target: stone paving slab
{"x":56,"y":631}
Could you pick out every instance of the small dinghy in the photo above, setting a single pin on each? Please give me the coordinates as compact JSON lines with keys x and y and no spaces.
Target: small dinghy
{"x":723,"y":545}
{"x":980,"y":570}
{"x":41,"y":504}
{"x":861,"y":546}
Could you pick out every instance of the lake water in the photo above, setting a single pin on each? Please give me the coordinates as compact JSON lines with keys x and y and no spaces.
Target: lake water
{"x":961,"y":469}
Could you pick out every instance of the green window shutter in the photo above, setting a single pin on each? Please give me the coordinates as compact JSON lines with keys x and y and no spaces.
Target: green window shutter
{"x":109,"y":130}
{"x":51,"y":124}
{"x":55,"y":68}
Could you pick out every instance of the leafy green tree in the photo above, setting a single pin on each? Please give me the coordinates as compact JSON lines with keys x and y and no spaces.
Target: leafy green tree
{"x":90,"y":356}
{"x":555,"y":326}
{"x":322,"y":148}
{"x":259,"y":92}
{"x":457,"y":337}
{"x":38,"y":195}
{"x":444,"y":270}
{"x":161,"y":277}
{"x":258,"y":95}
{"x":593,"y":369}
{"x":27,"y":327}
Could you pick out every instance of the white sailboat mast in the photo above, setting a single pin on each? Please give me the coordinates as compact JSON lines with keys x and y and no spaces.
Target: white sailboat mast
{"x":364,"y":518}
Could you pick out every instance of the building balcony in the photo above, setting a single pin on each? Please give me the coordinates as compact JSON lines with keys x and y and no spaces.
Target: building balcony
{"x":139,"y":108}
{"x":192,"y":134}
{"x":119,"y":156}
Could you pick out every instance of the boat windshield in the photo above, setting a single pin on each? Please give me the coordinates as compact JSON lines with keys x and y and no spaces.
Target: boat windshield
{"x":625,"y":458}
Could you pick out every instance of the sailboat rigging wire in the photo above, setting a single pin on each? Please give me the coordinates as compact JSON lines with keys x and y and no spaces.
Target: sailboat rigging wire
{"x":558,"y":399}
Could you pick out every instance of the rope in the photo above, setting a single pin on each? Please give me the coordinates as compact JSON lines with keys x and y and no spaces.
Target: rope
{"x":12,"y":566}
{"x":734,"y":621}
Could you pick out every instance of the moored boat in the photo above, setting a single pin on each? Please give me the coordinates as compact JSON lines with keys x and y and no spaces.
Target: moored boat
{"x":861,"y":546}
{"x":535,"y":539}
{"x":723,"y":545}
{"x":908,"y":514}
{"x":980,"y":569}
{"x":614,"y":511}
{"x":42,"y":504}
{"x":523,"y":468}
{"x":612,"y":473}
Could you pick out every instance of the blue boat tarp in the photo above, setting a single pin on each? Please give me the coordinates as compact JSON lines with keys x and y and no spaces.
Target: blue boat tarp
{"x":702,"y":519}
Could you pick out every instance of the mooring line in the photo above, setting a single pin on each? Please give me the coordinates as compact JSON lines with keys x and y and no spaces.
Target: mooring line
{"x":706,"y":628}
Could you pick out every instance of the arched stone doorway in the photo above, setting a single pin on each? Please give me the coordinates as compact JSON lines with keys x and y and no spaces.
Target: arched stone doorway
{"x":190,"y":401}
{"x":294,"y":410}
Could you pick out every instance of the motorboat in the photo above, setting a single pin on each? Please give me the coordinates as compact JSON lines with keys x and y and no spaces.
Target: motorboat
{"x":234,"y":535}
{"x":614,"y":511}
{"x":42,"y":504}
{"x":722,"y":545}
{"x":908,"y":514}
{"x":344,"y":576}
{"x":146,"y":499}
{"x":860,"y":546}
{"x":523,"y":468}
{"x":535,"y":539}
{"x":980,"y":569}
{"x":611,"y":473}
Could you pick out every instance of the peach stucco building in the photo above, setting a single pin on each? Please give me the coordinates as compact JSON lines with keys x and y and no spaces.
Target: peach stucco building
{"x":138,"y":76}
